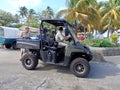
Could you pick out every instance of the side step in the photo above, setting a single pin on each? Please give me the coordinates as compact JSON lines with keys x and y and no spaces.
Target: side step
{"x":60,"y":63}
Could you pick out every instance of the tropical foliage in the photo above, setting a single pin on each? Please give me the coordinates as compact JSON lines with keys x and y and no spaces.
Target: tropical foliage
{"x":47,"y":13}
{"x":94,"y":15}
{"x":7,"y":18}
{"x":114,"y":38}
{"x":85,"y":11}
{"x":23,"y":11}
{"x":31,"y":18}
{"x":111,"y":15}
{"x":97,"y":42}
{"x":28,"y":17}
{"x":101,"y":16}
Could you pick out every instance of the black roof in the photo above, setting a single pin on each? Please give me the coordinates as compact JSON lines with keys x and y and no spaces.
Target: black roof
{"x":56,"y":22}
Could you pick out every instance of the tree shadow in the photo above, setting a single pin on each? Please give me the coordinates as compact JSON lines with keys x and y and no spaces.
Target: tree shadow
{"x":102,"y":70}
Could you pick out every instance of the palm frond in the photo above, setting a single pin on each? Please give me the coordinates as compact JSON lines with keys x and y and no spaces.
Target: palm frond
{"x":61,"y":13}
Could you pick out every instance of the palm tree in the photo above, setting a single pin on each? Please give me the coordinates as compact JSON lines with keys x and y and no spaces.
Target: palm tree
{"x":111,"y":15}
{"x":31,"y":14}
{"x":71,"y":3}
{"x":16,"y":18}
{"x":47,"y":13}
{"x":84,"y":11}
{"x":23,"y":11}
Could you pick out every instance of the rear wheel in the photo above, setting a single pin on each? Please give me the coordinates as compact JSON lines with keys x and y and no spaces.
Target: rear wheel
{"x":29,"y":61}
{"x":80,"y":67}
{"x":8,"y":46}
{"x":14,"y":46}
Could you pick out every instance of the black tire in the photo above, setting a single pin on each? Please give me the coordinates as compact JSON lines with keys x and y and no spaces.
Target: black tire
{"x":29,"y":61}
{"x":80,"y":67}
{"x":14,"y":46}
{"x":8,"y":46}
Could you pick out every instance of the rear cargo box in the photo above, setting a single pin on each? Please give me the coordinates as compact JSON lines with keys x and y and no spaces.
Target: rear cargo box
{"x":28,"y":43}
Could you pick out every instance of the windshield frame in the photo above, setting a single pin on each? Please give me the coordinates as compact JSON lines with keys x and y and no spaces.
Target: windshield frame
{"x":72,"y":30}
{"x":64,"y":23}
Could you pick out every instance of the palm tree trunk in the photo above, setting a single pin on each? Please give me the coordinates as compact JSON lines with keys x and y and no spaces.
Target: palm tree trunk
{"x":108,"y":34}
{"x":84,"y":32}
{"x":95,"y":31}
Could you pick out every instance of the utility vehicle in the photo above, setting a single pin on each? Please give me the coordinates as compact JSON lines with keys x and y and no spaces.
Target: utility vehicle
{"x":8,"y":36}
{"x":76,"y":56}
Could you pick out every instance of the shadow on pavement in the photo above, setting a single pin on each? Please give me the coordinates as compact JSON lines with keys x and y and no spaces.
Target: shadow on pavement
{"x":47,"y":67}
{"x":98,"y":70}
{"x":102,"y":70}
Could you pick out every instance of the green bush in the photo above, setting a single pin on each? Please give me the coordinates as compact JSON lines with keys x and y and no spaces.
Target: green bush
{"x":114,"y":38}
{"x":86,"y":41}
{"x":106,"y":43}
{"x":97,"y":42}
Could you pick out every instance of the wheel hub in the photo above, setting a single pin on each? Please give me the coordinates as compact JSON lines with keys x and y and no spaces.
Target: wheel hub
{"x":28,"y":62}
{"x":79,"y":68}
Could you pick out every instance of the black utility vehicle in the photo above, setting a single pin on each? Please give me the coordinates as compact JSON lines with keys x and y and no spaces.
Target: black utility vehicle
{"x":76,"y":56}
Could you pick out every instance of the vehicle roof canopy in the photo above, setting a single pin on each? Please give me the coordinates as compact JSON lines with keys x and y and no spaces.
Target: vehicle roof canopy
{"x":56,"y":22}
{"x":9,"y":32}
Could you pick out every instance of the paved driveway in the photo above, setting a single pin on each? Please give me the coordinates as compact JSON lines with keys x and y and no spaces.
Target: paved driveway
{"x":103,"y":76}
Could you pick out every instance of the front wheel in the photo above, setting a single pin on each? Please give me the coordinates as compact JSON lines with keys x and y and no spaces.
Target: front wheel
{"x":80,"y":67}
{"x":29,"y":61}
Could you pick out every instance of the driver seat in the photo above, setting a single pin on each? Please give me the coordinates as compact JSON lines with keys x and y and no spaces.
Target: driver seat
{"x":51,"y":39}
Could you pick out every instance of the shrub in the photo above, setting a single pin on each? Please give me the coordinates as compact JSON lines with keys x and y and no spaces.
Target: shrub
{"x":106,"y":43}
{"x":86,"y":41}
{"x":97,"y":42}
{"x":114,"y":38}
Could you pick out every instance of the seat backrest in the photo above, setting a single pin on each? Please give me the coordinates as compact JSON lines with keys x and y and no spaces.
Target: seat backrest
{"x":50,"y":40}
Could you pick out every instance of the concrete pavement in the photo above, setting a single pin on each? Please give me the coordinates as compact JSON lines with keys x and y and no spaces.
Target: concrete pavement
{"x":103,"y":75}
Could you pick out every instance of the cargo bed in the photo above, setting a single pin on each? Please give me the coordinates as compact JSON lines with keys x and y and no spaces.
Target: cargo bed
{"x":28,"y":43}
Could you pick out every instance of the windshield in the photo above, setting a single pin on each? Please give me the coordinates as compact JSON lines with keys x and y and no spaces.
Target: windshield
{"x":73,"y":32}
{"x":51,"y":25}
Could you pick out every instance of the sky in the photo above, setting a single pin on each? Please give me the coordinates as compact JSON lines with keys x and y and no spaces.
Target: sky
{"x":38,"y":5}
